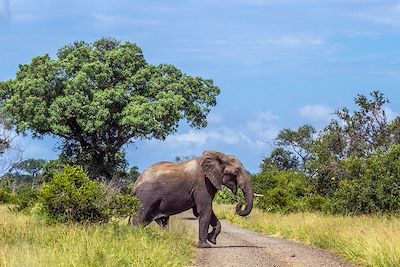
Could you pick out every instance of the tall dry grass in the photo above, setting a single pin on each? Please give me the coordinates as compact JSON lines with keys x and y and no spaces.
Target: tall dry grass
{"x":28,"y":241}
{"x":366,"y":240}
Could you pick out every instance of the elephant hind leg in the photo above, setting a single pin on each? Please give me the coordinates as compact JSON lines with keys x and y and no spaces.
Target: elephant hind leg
{"x":145,"y":214}
{"x":216,"y":225}
{"x":163,"y":221}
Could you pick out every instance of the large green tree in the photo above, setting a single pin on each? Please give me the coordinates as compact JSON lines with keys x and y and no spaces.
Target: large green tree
{"x":98,"y":97}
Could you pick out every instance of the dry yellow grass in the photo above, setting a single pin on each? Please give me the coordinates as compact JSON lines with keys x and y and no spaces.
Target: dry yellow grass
{"x":28,"y":241}
{"x":366,"y":240}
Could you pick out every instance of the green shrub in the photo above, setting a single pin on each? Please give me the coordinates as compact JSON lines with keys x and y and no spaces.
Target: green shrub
{"x":5,"y":196}
{"x":225,"y":196}
{"x":315,"y":203}
{"x":124,"y":206}
{"x":72,"y":197}
{"x":373,"y":185}
{"x":25,"y":198}
{"x":283,"y":191}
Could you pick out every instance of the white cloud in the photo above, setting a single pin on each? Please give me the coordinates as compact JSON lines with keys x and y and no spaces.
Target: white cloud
{"x":202,"y":137}
{"x":316,"y":113}
{"x":262,"y":121}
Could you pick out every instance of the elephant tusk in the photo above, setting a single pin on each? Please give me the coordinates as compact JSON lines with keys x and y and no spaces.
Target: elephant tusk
{"x":258,"y":195}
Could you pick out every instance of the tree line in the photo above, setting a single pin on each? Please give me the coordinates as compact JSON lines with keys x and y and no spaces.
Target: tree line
{"x":352,"y":165}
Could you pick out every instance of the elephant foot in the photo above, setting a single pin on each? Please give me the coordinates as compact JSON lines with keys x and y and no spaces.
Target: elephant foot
{"x":203,"y":245}
{"x":212,"y":238}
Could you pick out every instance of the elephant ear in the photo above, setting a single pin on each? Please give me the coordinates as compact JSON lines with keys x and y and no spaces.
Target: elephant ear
{"x":213,"y":164}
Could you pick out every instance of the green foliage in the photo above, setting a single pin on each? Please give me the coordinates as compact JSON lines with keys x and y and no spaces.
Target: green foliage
{"x":99,"y":96}
{"x":373,"y":185}
{"x":299,"y":143}
{"x":124,"y":206}
{"x":30,"y":167}
{"x":283,"y":191}
{"x":366,"y":186}
{"x":133,"y":174}
{"x":25,"y":198}
{"x":72,"y":197}
{"x":5,"y":196}
{"x":225,"y":196}
{"x":280,"y":159}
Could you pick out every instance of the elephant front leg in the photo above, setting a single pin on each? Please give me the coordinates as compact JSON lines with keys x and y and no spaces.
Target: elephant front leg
{"x":204,"y":222}
{"x":216,"y":225}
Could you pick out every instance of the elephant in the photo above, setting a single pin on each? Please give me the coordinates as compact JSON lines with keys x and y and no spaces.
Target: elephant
{"x":167,"y":188}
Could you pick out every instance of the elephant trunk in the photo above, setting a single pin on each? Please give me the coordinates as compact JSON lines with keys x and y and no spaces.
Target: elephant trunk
{"x":248,"y":195}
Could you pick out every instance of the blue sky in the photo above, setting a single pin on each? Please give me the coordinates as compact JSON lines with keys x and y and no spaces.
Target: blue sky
{"x":279,"y":63}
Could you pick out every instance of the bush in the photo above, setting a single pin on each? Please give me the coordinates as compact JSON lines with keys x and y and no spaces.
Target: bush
{"x":225,"y":196}
{"x":282,"y":190}
{"x":124,"y":206}
{"x":373,"y":185}
{"x":5,"y":196}
{"x":25,"y":198}
{"x":72,"y":197}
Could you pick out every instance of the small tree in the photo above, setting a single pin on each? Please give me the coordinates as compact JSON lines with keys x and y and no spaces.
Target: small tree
{"x":299,"y":143}
{"x":367,"y":130}
{"x":29,"y":167}
{"x":98,"y":97}
{"x":281,"y":159}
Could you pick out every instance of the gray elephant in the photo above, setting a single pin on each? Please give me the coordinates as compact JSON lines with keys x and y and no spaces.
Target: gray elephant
{"x":166,"y":189}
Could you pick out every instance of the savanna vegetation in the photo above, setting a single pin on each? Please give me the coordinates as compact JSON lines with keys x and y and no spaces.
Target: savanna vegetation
{"x":337,"y":187}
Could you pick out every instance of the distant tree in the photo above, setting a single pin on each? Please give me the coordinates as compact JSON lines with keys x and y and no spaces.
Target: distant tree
{"x":280,"y":159}
{"x":299,"y":142}
{"x":366,"y":130}
{"x":359,"y":134}
{"x":29,"y":167}
{"x":133,"y":173}
{"x":98,"y":97}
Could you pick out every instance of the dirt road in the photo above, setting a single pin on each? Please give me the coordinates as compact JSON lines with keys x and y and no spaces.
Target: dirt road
{"x":239,"y":247}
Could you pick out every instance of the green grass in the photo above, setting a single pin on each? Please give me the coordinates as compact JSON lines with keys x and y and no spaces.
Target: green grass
{"x":26,"y":240}
{"x":366,"y":240}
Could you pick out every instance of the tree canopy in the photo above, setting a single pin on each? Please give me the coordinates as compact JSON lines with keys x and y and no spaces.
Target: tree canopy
{"x":97,"y":97}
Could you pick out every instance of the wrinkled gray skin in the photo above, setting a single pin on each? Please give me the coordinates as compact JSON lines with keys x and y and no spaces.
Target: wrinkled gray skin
{"x":167,"y":189}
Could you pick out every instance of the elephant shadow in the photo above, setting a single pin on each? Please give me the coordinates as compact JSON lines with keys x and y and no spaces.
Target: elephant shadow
{"x":237,"y":246}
